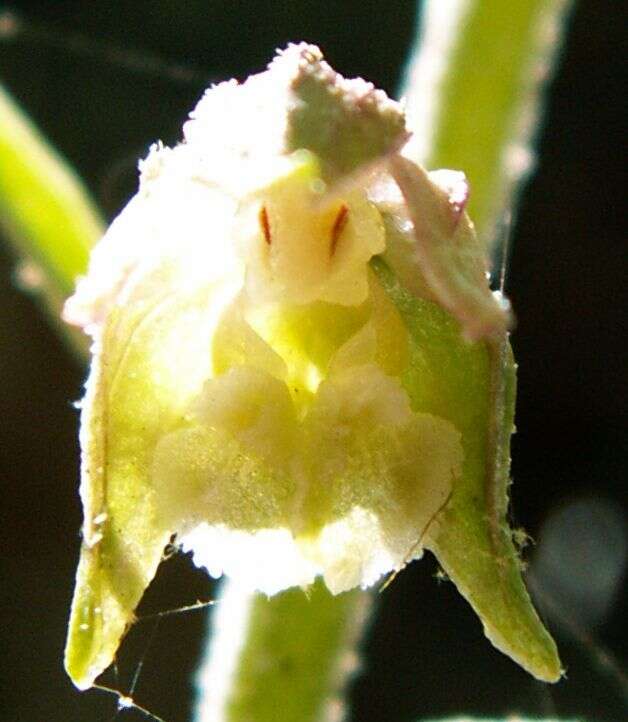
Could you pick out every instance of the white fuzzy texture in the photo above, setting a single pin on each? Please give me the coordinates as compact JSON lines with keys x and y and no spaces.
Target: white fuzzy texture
{"x":347,"y":553}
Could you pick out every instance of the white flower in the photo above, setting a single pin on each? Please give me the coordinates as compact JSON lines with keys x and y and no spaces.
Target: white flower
{"x":261,"y":386}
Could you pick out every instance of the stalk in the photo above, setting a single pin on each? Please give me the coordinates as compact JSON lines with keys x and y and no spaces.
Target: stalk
{"x":289,"y":657}
{"x":47,"y":214}
{"x":474,"y":89}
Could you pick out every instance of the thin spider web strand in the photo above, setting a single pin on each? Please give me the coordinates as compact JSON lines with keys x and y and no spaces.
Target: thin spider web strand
{"x":601,"y":655}
{"x":505,"y":249}
{"x":125,"y":702}
{"x":140,"y":664}
{"x":178,"y":610}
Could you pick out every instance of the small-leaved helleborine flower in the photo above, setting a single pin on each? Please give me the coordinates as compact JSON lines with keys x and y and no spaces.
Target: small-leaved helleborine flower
{"x":298,"y":366}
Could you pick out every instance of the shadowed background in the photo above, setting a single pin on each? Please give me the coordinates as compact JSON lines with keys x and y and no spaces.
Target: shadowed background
{"x":104,"y":80}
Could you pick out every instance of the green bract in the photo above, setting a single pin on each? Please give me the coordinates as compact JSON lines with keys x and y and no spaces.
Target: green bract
{"x":282,"y":371}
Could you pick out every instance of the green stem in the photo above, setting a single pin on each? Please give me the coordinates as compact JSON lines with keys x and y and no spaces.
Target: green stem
{"x":288,"y":657}
{"x":474,"y":90}
{"x":46,"y":212}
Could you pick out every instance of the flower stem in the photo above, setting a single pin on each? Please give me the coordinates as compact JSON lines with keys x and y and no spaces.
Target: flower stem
{"x":474,"y":90}
{"x":47,"y":214}
{"x":289,"y":657}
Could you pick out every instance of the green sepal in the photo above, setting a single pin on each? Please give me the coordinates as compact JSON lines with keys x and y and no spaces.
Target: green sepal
{"x":472,"y":385}
{"x":138,"y":389}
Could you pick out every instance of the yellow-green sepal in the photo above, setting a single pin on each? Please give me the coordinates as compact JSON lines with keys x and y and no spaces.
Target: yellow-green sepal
{"x":139,"y":387}
{"x":472,"y":385}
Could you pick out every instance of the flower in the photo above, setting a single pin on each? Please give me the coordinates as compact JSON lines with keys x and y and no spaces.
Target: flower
{"x":299,"y":368}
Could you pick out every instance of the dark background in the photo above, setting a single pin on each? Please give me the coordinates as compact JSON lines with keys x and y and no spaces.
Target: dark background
{"x":102,"y":98}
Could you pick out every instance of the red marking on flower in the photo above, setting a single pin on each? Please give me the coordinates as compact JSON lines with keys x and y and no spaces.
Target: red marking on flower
{"x":337,"y":228}
{"x":265,"y":224}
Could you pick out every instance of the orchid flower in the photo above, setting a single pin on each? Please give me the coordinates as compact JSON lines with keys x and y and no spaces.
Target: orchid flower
{"x":299,"y":368}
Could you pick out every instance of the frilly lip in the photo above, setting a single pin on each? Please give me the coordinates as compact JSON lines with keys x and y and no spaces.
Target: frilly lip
{"x":349,"y":489}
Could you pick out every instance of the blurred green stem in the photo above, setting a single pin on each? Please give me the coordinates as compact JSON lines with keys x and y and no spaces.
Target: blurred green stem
{"x":474,"y":89}
{"x":47,"y":214}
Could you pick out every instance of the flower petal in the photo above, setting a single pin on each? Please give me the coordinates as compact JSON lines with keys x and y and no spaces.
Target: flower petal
{"x":450,"y":258}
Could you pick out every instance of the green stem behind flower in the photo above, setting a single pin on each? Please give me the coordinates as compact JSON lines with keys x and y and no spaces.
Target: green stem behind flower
{"x":300,"y":646}
{"x":47,"y":213}
{"x":474,"y":89}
